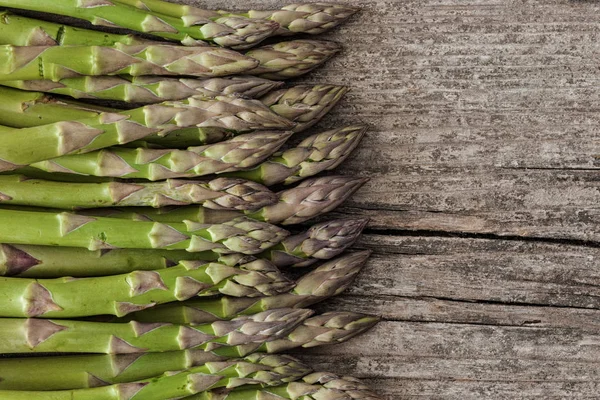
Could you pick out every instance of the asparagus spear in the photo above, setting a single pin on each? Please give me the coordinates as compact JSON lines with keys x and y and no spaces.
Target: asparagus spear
{"x":88,"y":371}
{"x":58,"y":62}
{"x":241,"y":235}
{"x":258,"y":369}
{"x":218,"y":194}
{"x":71,"y":336}
{"x":322,"y":241}
{"x":226,"y":31}
{"x":30,"y":261}
{"x":240,"y":152}
{"x":80,"y":371}
{"x":312,"y":198}
{"x":149,"y":89}
{"x":321,"y":152}
{"x":328,"y":280}
{"x":122,"y":294}
{"x":316,"y":386}
{"x":22,"y":31}
{"x":291,"y":59}
{"x":305,"y":105}
{"x":30,"y":145}
{"x":312,"y":18}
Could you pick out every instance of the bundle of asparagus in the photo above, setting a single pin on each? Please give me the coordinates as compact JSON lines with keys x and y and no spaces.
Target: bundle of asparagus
{"x":149,"y":230}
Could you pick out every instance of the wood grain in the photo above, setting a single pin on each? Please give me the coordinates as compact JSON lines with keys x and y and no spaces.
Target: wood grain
{"x":484,"y":192}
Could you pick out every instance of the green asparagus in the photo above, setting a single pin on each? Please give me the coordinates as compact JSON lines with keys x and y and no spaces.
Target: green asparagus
{"x":321,"y":152}
{"x":242,"y":235}
{"x":30,"y":261}
{"x":59,"y":62}
{"x":29,"y":145}
{"x":218,"y":194}
{"x":149,"y":89}
{"x":312,"y":197}
{"x":291,"y":59}
{"x":122,"y":294}
{"x":316,"y":386}
{"x":305,"y":105}
{"x":328,"y":280}
{"x":263,"y":370}
{"x":88,"y":371}
{"x":312,"y":18}
{"x":322,"y":241}
{"x":240,"y":152}
{"x":33,"y":335}
{"x":226,"y":31}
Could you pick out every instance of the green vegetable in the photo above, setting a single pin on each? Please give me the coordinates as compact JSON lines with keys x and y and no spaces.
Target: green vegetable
{"x":33,"y":335}
{"x":241,"y":235}
{"x":267,"y":370}
{"x":329,"y":279}
{"x":218,"y":194}
{"x":225,"y":31}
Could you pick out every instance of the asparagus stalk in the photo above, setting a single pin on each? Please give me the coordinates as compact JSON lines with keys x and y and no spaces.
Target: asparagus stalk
{"x":259,"y":370}
{"x":240,"y":152}
{"x":316,"y":386}
{"x":33,"y":335}
{"x":29,"y":261}
{"x":241,"y":235}
{"x":58,"y":62}
{"x":81,"y":371}
{"x":328,"y":280}
{"x":22,"y":31}
{"x":312,"y":18}
{"x":218,"y":194}
{"x":305,"y":105}
{"x":310,"y":199}
{"x":321,"y":152}
{"x":291,"y":59}
{"x":122,"y":294}
{"x":149,"y":89}
{"x":225,"y":31}
{"x":322,"y":241}
{"x":30,"y":145}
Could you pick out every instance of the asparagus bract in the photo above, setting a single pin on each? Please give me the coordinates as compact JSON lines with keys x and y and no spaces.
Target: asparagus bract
{"x":322,"y":241}
{"x":226,"y":31}
{"x":316,"y":386}
{"x":30,"y":261}
{"x":59,"y":62}
{"x":122,"y":294}
{"x":149,"y":89}
{"x":33,"y":335}
{"x":305,"y":105}
{"x":240,"y":152}
{"x":265,"y":370}
{"x":218,"y":194}
{"x":241,"y":235}
{"x":291,"y":59}
{"x":329,"y":279}
{"x":321,"y":152}
{"x":29,"y":145}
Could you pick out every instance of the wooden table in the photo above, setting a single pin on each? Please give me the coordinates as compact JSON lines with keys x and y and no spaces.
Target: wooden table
{"x":484,"y":196}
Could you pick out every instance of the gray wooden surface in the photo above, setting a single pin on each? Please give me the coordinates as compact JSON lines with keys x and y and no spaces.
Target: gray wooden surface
{"x":484,"y":196}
